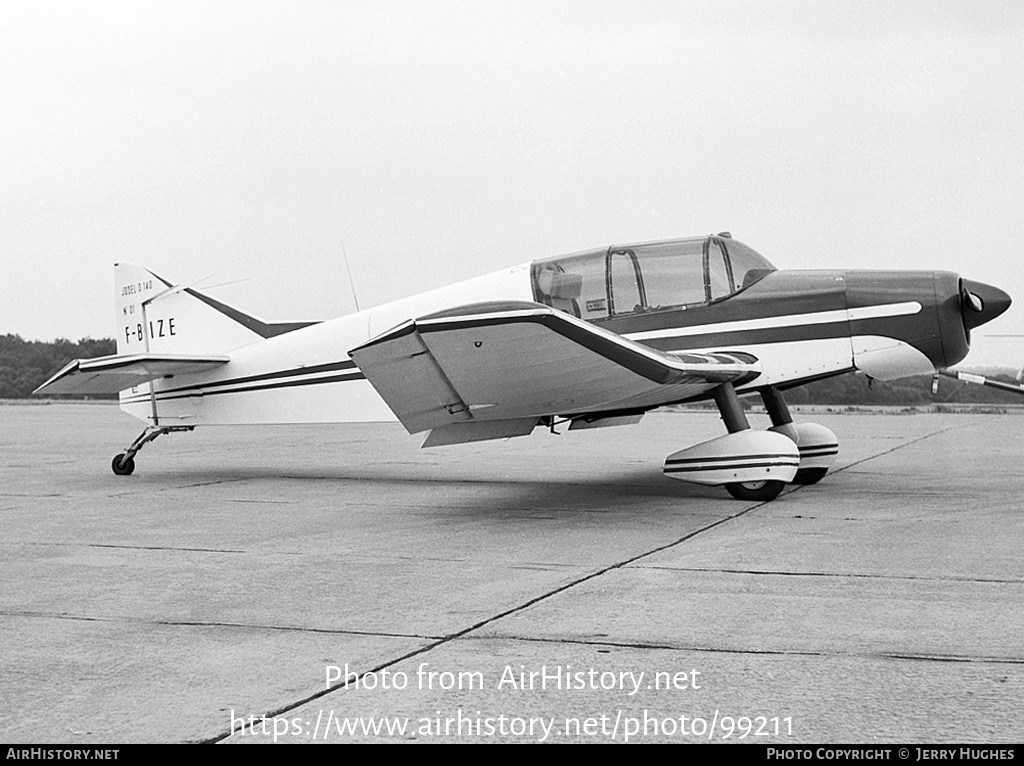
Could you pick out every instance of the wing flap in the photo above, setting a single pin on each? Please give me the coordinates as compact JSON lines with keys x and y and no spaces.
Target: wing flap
{"x":526,"y":360}
{"x":478,"y":431}
{"x":407,"y":376}
{"x":110,"y":374}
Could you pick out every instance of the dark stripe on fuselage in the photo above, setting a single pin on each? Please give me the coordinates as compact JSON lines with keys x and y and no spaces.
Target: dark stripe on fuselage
{"x":263,"y":329}
{"x":331,"y":367}
{"x":788,"y":297}
{"x":735,"y":338}
{"x":780,"y":294}
{"x":165,"y":396}
{"x":196,"y":389}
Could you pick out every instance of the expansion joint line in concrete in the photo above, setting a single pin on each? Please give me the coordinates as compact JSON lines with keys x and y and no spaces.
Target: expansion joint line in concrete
{"x":209,"y":624}
{"x":768,"y":652}
{"x":544,"y":596}
{"x":901,"y":446}
{"x":839,"y":575}
{"x":494,"y":618}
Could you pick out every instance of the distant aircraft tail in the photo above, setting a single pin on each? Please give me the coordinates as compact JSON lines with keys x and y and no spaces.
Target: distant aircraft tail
{"x":154,"y":316}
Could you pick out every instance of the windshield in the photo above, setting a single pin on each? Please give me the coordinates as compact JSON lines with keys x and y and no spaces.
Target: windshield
{"x":747,"y":265}
{"x":654,"y":276}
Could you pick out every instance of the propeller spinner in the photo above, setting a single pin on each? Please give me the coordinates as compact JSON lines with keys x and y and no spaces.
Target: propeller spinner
{"x":981,"y":303}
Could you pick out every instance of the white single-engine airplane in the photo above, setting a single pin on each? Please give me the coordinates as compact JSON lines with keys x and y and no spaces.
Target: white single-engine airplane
{"x":594,"y":339}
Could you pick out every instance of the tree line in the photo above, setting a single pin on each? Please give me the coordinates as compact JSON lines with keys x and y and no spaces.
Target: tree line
{"x":25,"y":365}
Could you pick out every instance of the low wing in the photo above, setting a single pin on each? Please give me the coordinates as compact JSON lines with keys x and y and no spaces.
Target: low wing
{"x":513,"y":362}
{"x":110,"y":374}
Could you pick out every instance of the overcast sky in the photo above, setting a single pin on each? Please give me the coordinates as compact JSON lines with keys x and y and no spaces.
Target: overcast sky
{"x":251,"y":142}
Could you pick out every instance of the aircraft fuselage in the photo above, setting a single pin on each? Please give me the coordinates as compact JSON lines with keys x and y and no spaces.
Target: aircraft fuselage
{"x":799,"y":325}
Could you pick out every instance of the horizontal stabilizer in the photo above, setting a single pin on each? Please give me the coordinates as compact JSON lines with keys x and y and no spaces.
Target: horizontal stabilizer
{"x":110,"y":374}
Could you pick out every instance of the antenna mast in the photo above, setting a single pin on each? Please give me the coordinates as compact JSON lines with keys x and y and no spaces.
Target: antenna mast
{"x":351,"y":284}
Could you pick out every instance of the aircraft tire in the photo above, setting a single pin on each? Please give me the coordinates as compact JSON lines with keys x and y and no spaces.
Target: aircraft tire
{"x":761,"y":491}
{"x":809,"y":475}
{"x":122,"y":470}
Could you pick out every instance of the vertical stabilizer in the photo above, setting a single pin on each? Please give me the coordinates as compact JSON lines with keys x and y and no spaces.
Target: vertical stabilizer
{"x":132,"y":286}
{"x":157,"y":317}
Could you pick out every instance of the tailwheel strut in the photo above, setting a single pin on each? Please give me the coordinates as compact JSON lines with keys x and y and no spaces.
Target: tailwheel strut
{"x":123,"y":463}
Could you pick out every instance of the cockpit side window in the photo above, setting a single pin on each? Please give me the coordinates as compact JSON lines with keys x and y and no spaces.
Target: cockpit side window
{"x":574,"y":284}
{"x":673,"y":274}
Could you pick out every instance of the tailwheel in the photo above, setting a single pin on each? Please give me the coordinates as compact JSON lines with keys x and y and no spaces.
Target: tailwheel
{"x":809,"y":475}
{"x":760,"y":491}
{"x":123,"y":466}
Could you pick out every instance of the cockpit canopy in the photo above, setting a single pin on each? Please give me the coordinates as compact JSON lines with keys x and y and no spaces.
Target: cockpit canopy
{"x":653,"y":276}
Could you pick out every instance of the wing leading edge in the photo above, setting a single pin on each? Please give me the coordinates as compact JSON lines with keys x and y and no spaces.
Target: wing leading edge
{"x":110,"y":374}
{"x":492,"y":370}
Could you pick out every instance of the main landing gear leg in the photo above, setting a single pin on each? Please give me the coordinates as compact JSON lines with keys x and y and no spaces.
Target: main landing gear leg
{"x":735,"y":420}
{"x":752,"y":465}
{"x":729,"y":406}
{"x":123,"y":464}
{"x":818,"y":445}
